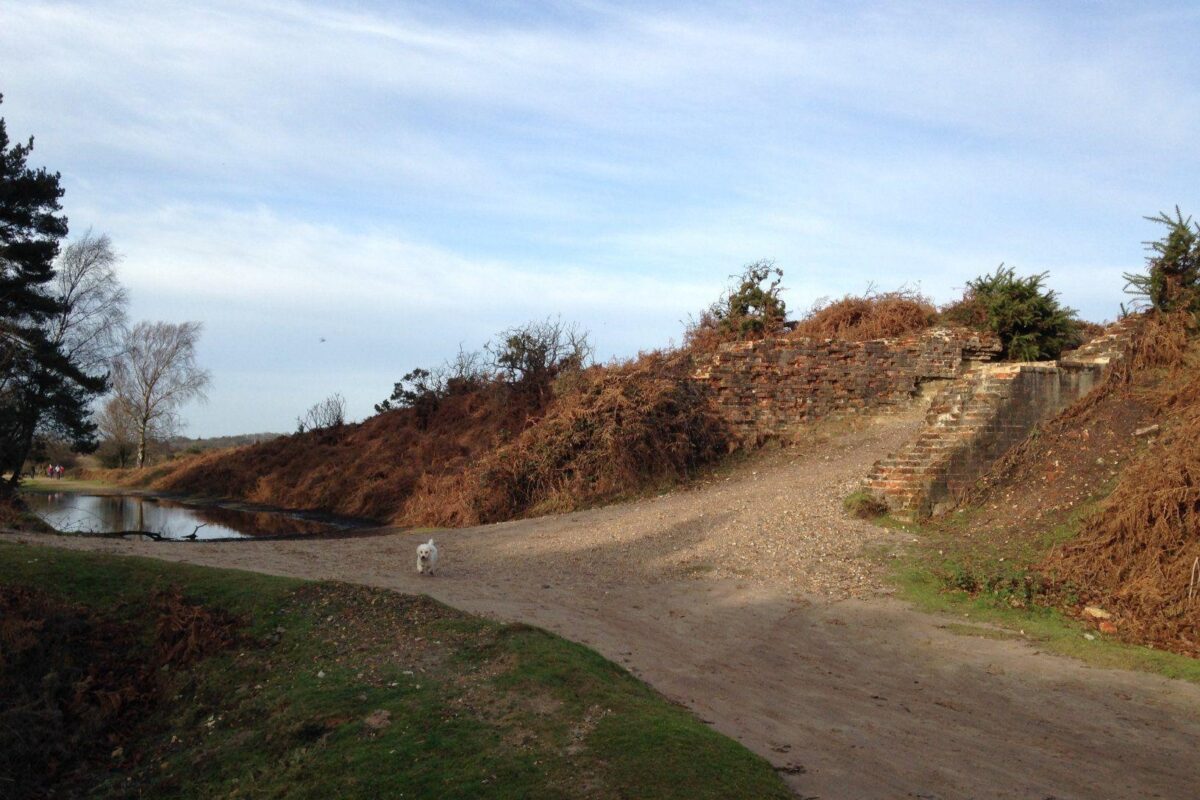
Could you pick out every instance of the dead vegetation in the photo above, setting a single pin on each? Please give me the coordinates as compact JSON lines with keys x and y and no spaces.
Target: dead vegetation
{"x":487,"y":452}
{"x":615,"y":431}
{"x":526,"y":427}
{"x":74,"y":684}
{"x":872,"y":315}
{"x":1116,"y":477}
{"x":1139,"y":552}
{"x":369,"y":469}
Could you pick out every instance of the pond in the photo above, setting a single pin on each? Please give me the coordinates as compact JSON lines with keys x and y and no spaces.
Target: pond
{"x":171,"y":519}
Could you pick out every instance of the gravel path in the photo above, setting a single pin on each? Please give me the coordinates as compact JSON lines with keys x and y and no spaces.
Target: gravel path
{"x":747,"y":599}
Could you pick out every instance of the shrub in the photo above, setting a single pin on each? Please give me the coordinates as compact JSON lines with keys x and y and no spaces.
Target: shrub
{"x":872,"y":315}
{"x":1172,"y":278}
{"x":750,"y":309}
{"x":530,"y":356}
{"x":1028,"y":318}
{"x":329,"y":413}
{"x":420,"y":390}
{"x":424,"y":390}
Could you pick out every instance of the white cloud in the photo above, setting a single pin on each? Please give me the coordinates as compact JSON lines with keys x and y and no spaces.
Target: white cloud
{"x":409,"y":176}
{"x":223,"y":255}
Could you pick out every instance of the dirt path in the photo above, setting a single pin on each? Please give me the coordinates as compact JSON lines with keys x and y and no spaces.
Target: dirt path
{"x":746,"y":599}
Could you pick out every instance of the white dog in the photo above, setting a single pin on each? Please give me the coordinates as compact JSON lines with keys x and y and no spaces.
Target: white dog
{"x":426,"y":558}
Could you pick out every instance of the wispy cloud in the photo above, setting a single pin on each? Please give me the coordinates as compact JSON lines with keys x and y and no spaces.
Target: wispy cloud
{"x":419,"y":174}
{"x":354,"y":310}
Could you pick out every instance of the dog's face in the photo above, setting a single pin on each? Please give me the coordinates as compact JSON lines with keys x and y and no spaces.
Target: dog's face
{"x":423,"y":552}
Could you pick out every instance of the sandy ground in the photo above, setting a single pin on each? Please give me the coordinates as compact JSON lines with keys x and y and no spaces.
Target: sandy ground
{"x":748,"y":600}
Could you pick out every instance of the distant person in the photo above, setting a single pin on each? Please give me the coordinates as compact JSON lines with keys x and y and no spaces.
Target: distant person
{"x":58,"y":471}
{"x":49,"y":470}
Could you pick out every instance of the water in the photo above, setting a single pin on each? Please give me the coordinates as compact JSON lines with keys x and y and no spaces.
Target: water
{"x":70,"y":511}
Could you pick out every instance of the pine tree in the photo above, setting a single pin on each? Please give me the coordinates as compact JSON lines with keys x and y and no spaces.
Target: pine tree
{"x":39,"y":386}
{"x":1172,"y":278}
{"x":1029,"y":319}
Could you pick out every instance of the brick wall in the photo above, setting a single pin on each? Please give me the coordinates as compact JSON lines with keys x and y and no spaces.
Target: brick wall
{"x":978,"y":417}
{"x":770,"y":387}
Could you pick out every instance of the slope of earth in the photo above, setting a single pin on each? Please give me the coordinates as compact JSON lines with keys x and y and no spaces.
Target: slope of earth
{"x":1139,"y":553}
{"x":1097,"y":509}
{"x":749,"y":601}
{"x":483,"y":450}
{"x":368,"y":469}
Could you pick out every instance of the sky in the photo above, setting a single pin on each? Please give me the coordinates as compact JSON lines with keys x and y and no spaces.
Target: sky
{"x":341,"y":192}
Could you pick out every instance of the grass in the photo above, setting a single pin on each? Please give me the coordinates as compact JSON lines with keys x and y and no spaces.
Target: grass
{"x":463,"y":707}
{"x":42,"y":484}
{"x":957,"y":568}
{"x":863,"y":504}
{"x":1049,"y":628}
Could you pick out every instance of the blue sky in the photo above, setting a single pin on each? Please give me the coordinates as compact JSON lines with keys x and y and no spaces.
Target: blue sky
{"x":402,"y":178}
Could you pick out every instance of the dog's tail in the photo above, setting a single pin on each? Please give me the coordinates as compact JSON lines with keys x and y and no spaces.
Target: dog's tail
{"x":431,"y":541}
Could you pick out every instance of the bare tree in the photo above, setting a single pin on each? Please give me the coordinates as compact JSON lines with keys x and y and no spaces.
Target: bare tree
{"x":156,"y":374}
{"x":532,"y":354}
{"x":83,"y":331}
{"x":118,"y":431}
{"x":329,"y":413}
{"x":91,"y":324}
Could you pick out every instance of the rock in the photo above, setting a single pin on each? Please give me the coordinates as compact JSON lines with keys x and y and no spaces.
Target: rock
{"x":1146,"y":431}
{"x":378,"y":720}
{"x":1090,"y":637}
{"x":321,"y":674}
{"x":1096,"y":612}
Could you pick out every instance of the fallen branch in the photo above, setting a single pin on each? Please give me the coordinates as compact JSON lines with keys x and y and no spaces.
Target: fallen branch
{"x":158,"y":537}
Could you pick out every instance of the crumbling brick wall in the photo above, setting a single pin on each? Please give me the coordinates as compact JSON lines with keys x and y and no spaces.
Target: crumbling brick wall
{"x":977,"y":418}
{"x":768,"y":388}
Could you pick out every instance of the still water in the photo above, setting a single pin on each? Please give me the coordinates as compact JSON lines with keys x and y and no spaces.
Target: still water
{"x":69,"y":511}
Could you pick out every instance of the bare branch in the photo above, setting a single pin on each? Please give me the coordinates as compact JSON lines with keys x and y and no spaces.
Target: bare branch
{"x":329,"y":413}
{"x":156,"y":374}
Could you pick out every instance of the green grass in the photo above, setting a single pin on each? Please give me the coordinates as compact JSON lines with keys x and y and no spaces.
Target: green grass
{"x":986,"y":581}
{"x":1049,"y":628}
{"x":43,"y":484}
{"x":478,"y":709}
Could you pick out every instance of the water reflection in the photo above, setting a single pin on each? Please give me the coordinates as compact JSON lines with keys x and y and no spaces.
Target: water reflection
{"x":69,"y":511}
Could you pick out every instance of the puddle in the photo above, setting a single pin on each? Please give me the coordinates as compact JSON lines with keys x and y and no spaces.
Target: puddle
{"x":171,"y":519}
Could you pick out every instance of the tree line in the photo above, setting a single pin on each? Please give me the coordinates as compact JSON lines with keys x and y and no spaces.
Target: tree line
{"x":65,"y":340}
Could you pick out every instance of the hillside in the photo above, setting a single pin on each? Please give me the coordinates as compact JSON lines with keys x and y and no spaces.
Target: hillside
{"x":732,"y":598}
{"x":1100,"y":507}
{"x":488,"y":452}
{"x":200,"y":444}
{"x":536,"y":433}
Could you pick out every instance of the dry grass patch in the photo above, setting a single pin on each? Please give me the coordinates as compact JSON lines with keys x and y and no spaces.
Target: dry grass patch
{"x":873,"y":315}
{"x":1139,"y":553}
